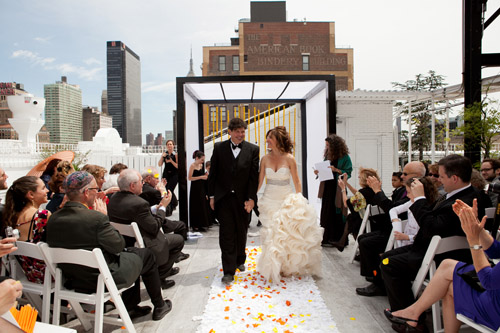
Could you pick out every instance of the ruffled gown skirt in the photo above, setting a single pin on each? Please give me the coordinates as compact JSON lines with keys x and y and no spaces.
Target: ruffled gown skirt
{"x":290,"y":235}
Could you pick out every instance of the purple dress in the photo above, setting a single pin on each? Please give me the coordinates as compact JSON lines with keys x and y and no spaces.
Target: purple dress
{"x":482,"y":307}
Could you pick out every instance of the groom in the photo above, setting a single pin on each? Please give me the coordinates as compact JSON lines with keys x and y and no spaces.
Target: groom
{"x":232,"y":187}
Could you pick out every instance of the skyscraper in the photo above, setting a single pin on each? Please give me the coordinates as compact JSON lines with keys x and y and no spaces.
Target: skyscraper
{"x":63,"y":111}
{"x":124,"y":91}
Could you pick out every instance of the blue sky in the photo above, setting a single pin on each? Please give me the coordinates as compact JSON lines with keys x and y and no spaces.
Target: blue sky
{"x":392,"y":41}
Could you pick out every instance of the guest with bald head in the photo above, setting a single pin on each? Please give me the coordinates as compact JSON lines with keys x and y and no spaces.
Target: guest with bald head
{"x":372,"y":244}
{"x":126,"y":206}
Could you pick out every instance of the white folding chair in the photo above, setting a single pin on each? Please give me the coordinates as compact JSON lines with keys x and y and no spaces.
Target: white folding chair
{"x":93,"y":259}
{"x":130,"y":230}
{"x":437,"y":246}
{"x":365,"y":225}
{"x":474,"y":325}
{"x":32,"y":290}
{"x":392,"y":240}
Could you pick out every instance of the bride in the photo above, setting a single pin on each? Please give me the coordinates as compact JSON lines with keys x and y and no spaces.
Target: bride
{"x":290,"y":237}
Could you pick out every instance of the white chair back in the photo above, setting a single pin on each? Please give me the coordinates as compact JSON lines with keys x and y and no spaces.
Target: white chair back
{"x":130,"y":230}
{"x":392,"y":243}
{"x":437,"y":246}
{"x":471,"y":323}
{"x":32,"y":290}
{"x":365,"y":225}
{"x":92,"y":259}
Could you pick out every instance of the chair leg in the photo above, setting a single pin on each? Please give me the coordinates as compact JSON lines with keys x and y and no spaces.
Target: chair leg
{"x":99,"y":306}
{"x":80,"y":314}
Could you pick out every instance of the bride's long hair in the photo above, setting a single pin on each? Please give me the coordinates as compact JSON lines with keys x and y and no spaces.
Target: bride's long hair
{"x":283,"y":141}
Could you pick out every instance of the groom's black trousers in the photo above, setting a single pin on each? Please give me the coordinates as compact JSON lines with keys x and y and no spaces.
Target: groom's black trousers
{"x":233,"y":229}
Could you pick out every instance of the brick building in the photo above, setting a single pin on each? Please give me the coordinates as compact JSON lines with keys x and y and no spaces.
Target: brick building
{"x":93,"y":120}
{"x":267,"y":44}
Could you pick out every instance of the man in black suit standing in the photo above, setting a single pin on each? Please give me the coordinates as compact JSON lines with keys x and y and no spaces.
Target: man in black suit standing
{"x":403,"y":263}
{"x":126,"y":207}
{"x":232,"y":187}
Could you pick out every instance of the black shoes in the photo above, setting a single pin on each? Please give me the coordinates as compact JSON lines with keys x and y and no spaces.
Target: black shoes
{"x":182,"y":256}
{"x":227,"y":278}
{"x":173,"y":271}
{"x":241,"y":267}
{"x":139,"y":311}
{"x":165,"y":284}
{"x":259,"y":224}
{"x":160,"y":312}
{"x":371,"y":290}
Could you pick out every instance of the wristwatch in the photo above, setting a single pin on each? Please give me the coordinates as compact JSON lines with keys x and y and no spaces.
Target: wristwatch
{"x":476,"y":247}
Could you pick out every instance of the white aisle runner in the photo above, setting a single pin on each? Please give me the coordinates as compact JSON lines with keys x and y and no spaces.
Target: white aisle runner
{"x":251,"y":304}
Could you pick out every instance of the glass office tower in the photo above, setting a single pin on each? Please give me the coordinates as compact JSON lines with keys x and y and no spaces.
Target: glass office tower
{"x":124,"y":91}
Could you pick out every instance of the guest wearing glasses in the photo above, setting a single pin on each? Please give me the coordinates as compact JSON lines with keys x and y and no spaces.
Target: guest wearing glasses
{"x":490,"y":170}
{"x":434,"y":175}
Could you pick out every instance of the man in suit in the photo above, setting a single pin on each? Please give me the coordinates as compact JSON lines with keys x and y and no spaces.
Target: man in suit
{"x":373,"y":243}
{"x":126,"y":207}
{"x":232,"y":188}
{"x":75,"y":226}
{"x":152,"y":192}
{"x":400,"y":266}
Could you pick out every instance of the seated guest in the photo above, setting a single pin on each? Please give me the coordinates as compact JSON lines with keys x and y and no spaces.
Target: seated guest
{"x":403,"y":263}
{"x":412,"y":227}
{"x":57,"y":200}
{"x":114,"y":172}
{"x":152,"y":190}
{"x":434,"y":175}
{"x":99,"y":172}
{"x":10,"y":289}
{"x":373,"y":243}
{"x":458,"y":296}
{"x":76,"y":227}
{"x":355,"y":204}
{"x":126,"y":207}
{"x":3,"y":186}
{"x":47,"y":174}
{"x":399,"y":187}
{"x":22,"y":204}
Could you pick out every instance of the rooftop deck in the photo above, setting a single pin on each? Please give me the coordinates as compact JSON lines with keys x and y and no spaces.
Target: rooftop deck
{"x":352,"y":313}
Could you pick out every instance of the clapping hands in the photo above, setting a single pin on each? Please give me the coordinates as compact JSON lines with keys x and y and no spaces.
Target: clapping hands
{"x":468,"y":218}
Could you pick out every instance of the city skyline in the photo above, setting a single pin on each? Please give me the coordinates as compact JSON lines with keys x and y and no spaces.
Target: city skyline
{"x":43,"y":41}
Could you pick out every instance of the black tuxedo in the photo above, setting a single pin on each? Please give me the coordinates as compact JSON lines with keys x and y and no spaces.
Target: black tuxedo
{"x":76,"y":227}
{"x":231,"y":182}
{"x":405,"y":262}
{"x":125,"y":207}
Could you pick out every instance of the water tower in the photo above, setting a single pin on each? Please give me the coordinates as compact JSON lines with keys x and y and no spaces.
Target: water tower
{"x":26,"y":116}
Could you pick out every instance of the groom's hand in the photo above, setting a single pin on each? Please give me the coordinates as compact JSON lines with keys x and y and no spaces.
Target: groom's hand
{"x":249,"y":205}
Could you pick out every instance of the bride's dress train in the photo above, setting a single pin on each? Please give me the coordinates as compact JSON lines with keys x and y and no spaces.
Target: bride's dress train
{"x":290,"y":234}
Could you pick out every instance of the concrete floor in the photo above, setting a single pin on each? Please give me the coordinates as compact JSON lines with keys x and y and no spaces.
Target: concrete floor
{"x":351,"y":312}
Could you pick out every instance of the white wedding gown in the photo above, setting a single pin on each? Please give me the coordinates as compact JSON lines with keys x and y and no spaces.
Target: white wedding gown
{"x":290,"y":234}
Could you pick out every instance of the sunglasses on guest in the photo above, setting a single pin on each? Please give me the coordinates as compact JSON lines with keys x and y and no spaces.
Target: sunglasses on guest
{"x":435,"y":175}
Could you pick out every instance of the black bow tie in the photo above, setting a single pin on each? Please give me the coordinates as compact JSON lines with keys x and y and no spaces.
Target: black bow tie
{"x":235,"y":146}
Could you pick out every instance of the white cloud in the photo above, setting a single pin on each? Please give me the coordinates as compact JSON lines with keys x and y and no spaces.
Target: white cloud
{"x":158,"y":87}
{"x":49,"y":63}
{"x":91,"y":61}
{"x":42,"y":40}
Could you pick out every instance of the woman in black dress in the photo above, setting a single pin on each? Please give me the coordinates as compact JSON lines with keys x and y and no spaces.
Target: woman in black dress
{"x":170,"y":172}
{"x":198,"y":212}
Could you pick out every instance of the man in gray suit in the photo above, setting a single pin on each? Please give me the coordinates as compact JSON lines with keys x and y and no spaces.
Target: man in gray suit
{"x":75,"y":226}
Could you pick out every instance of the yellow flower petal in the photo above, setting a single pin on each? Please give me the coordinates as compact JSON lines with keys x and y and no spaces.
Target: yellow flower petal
{"x":385,"y":261}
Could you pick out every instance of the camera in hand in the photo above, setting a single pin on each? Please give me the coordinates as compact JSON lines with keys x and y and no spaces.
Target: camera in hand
{"x":167,"y":157}
{"x":493,"y":188}
{"x":10,"y":232}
